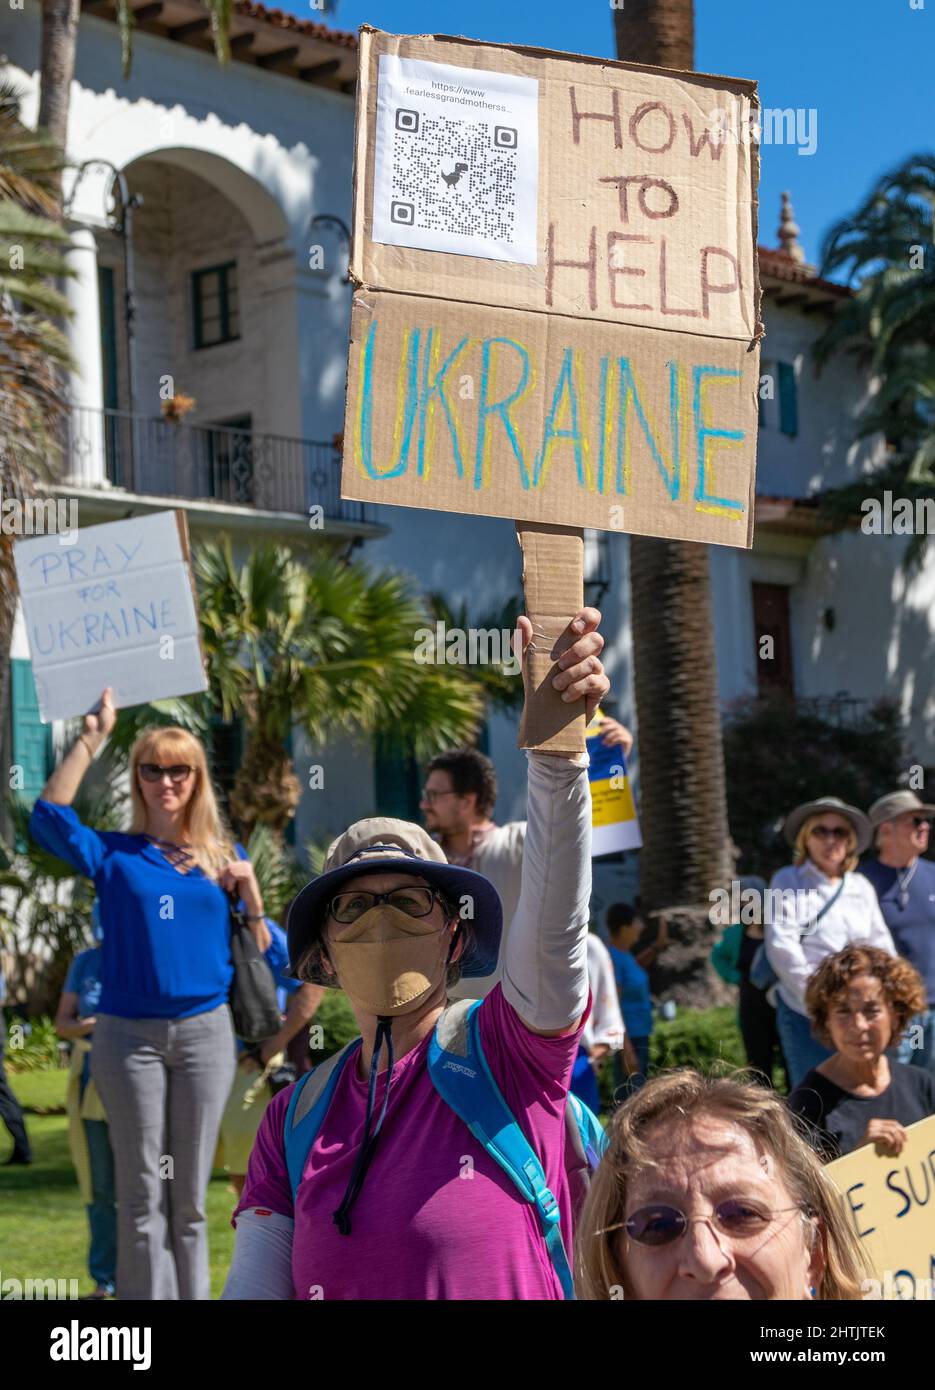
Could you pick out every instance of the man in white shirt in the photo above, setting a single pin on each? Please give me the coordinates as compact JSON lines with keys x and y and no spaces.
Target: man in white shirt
{"x":457,"y":804}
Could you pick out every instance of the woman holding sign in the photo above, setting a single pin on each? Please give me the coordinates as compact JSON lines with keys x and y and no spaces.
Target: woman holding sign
{"x":860,"y":1002}
{"x":356,"y":1187}
{"x":163,"y":1058}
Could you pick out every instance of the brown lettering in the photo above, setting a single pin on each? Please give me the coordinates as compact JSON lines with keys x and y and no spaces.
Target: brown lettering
{"x":590,"y":265}
{"x":663,"y":287}
{"x":578,"y":116}
{"x":707,"y":289}
{"x":715,"y":140}
{"x":614,"y":270}
{"x":645,"y":183}
{"x":637,"y":118}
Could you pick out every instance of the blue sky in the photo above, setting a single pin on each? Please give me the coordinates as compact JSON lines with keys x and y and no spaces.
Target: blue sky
{"x":865,"y":66}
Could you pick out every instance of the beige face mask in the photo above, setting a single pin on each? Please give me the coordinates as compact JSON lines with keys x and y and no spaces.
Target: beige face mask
{"x":388,"y":962}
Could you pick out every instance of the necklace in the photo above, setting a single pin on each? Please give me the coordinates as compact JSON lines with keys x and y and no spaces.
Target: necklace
{"x":177,"y":855}
{"x":904,"y":881}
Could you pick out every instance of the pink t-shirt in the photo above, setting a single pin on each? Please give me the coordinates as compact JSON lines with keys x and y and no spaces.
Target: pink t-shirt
{"x":436,"y":1218}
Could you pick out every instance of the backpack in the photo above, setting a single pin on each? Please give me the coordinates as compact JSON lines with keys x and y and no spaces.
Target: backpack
{"x":460,"y":1074}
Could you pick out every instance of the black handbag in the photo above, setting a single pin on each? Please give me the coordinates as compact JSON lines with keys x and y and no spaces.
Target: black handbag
{"x":253,"y":1003}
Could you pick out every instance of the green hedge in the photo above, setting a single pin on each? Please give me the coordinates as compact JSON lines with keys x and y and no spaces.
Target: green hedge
{"x":37,"y":1050}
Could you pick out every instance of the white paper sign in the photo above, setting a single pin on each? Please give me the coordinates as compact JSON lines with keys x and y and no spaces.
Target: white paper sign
{"x":457,"y":160}
{"x":115,"y":608}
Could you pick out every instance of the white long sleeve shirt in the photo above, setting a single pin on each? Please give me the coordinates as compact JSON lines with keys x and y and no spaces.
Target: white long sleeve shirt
{"x":796,"y":945}
{"x":605,"y":1021}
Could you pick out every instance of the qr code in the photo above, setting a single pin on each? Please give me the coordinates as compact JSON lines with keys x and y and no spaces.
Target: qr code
{"x":454,"y":176}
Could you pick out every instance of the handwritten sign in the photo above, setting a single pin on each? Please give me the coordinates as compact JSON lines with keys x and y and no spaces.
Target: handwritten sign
{"x":613,"y":811}
{"x":115,"y":608}
{"x":890,"y":1202}
{"x":606,"y":378}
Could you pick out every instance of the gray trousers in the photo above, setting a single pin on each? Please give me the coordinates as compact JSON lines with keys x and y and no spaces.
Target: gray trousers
{"x":164,"y":1083}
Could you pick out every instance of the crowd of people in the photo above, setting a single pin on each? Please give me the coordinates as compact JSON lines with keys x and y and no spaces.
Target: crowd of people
{"x":453,"y":1150}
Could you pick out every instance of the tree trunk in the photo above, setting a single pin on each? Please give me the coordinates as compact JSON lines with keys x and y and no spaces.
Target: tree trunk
{"x":682,"y":792}
{"x":57,"y":68}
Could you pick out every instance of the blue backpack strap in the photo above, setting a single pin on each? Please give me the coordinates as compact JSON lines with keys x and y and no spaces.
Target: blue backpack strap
{"x":589,"y":1130}
{"x":460,"y":1074}
{"x":307,"y":1108}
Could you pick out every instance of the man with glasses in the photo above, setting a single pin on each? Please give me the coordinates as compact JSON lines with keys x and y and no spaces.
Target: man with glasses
{"x":457,"y":804}
{"x":905,"y":883}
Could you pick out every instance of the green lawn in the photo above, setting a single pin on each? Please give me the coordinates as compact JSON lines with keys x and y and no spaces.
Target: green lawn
{"x":43,"y":1227}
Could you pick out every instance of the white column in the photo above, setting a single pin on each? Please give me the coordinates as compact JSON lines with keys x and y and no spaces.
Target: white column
{"x":86,"y":382}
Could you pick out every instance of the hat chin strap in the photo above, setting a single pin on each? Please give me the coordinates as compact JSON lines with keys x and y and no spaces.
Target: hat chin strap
{"x":342,"y":1217}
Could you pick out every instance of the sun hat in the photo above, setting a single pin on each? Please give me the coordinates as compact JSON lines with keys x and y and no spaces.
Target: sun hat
{"x":858,"y":820}
{"x":382,"y":845}
{"x":895,"y":804}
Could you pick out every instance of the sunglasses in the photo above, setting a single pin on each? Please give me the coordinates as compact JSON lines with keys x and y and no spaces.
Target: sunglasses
{"x":415,"y":902}
{"x":919,"y":821}
{"x":736,"y":1218}
{"x":152,"y":772}
{"x":830,"y":832}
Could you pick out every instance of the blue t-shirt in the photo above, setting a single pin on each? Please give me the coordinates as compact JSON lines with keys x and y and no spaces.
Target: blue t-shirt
{"x":636,"y":1002}
{"x":84,"y":979}
{"x":166,"y":949}
{"x":913,"y":926}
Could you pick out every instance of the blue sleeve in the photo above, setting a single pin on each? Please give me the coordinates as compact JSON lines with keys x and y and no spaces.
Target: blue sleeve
{"x":73,"y":978}
{"x":277,"y":958}
{"x":58,"y":830}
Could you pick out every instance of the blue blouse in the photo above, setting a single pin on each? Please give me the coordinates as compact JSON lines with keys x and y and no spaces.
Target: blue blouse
{"x":166,"y":948}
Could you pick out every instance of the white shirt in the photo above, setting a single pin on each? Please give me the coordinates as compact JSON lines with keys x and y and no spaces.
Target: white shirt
{"x":605,"y":1021}
{"x":796,"y":945}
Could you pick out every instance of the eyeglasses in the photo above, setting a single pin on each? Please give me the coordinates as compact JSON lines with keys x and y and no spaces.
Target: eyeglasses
{"x":152,"y":772}
{"x":415,"y":902}
{"x":919,"y":821}
{"x":431,"y":797}
{"x":737,"y":1218}
{"x":830,"y":832}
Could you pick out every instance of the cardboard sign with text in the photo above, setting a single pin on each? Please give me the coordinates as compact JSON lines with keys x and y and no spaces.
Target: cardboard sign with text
{"x":115,"y":608}
{"x":557,"y":317}
{"x":888,"y":1201}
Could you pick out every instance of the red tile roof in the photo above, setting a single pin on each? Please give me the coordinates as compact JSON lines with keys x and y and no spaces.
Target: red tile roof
{"x":780,"y":266}
{"x":343,"y":38}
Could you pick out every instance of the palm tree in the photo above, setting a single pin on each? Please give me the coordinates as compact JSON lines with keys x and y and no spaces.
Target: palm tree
{"x":683,"y":797}
{"x":31,"y":346}
{"x":326,"y":645}
{"x":886,"y":252}
{"x":500,"y":689}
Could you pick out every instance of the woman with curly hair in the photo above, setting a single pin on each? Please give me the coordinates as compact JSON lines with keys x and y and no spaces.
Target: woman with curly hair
{"x":708,"y":1191}
{"x":859,"y":1002}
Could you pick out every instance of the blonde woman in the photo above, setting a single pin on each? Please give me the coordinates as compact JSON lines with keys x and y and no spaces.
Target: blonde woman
{"x":163,"y":1058}
{"x":708,"y":1191}
{"x":822,"y":906}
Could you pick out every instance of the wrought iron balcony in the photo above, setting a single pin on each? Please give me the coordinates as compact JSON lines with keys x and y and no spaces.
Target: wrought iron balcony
{"x":151,"y":455}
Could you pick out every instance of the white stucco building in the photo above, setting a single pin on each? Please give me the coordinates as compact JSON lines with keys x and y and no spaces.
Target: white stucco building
{"x":237,"y":175}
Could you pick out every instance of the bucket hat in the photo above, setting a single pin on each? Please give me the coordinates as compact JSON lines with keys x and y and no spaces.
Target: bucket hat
{"x":382,"y":845}
{"x":894,"y":804}
{"x":858,"y":820}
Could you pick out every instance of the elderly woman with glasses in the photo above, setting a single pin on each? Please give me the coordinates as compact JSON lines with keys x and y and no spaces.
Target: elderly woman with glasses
{"x":707,"y":1191}
{"x":816,"y":906}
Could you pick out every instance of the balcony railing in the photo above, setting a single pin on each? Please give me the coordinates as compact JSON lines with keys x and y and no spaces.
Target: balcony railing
{"x":148,"y":454}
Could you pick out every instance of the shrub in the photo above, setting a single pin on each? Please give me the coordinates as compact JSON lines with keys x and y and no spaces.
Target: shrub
{"x":37,"y":1049}
{"x":336,"y":1018}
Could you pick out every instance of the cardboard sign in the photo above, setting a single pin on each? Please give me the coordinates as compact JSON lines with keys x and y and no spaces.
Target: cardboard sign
{"x":115,"y":608}
{"x":890,"y":1203}
{"x":613,"y":811}
{"x":557,"y":317}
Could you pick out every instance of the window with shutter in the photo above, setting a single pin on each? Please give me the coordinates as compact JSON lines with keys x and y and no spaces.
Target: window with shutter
{"x":32,"y":740}
{"x":788,"y":400}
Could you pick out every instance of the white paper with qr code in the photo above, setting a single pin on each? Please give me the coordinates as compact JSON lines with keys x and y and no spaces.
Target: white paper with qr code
{"x":457,"y":160}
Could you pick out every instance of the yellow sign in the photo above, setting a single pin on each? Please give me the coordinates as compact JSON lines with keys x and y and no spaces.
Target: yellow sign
{"x":890,"y":1203}
{"x":613,"y":811}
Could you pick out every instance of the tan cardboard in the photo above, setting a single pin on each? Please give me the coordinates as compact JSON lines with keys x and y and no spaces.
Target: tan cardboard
{"x":553,"y":582}
{"x":612,"y":380}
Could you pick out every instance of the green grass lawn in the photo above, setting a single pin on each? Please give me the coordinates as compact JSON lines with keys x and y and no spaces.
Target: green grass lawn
{"x":43,"y":1226}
